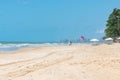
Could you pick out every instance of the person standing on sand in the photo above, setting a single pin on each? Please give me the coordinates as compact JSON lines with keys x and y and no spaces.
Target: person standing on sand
{"x":70,"y":43}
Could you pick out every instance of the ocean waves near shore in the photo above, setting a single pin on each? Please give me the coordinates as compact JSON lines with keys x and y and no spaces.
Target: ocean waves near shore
{"x":15,"y":46}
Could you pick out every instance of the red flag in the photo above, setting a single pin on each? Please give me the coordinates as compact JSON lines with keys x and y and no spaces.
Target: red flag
{"x":82,"y":37}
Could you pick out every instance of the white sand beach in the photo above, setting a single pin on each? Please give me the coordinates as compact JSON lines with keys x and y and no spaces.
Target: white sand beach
{"x":81,"y":62}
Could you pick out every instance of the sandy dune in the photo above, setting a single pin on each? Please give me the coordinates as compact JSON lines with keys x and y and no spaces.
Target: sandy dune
{"x":62,"y":63}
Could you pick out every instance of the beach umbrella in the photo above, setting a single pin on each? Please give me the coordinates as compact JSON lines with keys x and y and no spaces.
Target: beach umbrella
{"x":94,"y":40}
{"x":109,"y":39}
{"x":118,"y":38}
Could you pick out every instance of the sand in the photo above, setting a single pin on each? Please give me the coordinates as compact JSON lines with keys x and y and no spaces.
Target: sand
{"x":83,"y":62}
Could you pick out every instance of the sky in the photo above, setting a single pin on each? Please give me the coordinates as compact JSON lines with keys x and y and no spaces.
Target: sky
{"x":53,"y":20}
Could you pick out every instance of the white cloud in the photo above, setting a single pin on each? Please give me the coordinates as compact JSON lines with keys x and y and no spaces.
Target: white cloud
{"x":23,"y":2}
{"x":100,"y":31}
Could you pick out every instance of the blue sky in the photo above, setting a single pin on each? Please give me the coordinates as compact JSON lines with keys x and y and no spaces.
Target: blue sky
{"x":53,"y":20}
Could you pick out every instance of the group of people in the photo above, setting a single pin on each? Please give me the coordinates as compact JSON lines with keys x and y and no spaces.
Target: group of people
{"x":70,"y":42}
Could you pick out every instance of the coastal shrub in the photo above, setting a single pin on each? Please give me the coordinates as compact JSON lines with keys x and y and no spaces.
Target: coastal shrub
{"x":113,"y":24}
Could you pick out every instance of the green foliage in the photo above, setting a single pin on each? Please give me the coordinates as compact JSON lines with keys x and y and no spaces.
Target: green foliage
{"x":113,"y":24}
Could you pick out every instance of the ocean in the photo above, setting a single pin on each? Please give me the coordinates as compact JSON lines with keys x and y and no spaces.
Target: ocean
{"x":11,"y":46}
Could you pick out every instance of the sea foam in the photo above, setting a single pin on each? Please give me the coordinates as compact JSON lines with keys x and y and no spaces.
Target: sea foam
{"x":15,"y":46}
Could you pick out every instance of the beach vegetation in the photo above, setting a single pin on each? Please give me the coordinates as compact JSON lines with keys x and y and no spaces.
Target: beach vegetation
{"x":113,"y":24}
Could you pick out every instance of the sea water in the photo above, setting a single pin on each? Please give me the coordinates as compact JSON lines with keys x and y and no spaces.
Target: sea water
{"x":8,"y":46}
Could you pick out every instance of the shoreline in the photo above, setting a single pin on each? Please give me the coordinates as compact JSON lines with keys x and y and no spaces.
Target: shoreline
{"x":16,"y":47}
